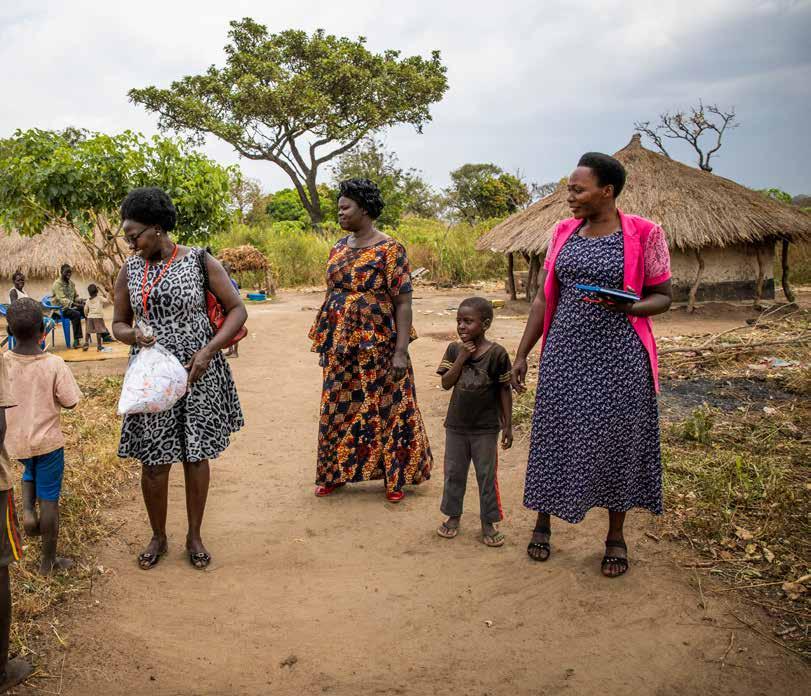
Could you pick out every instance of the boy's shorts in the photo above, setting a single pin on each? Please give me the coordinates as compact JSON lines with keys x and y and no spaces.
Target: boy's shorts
{"x":46,"y":472}
{"x":11,"y":548}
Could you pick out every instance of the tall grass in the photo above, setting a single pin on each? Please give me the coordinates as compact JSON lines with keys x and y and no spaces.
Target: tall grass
{"x":799,"y":260}
{"x":298,"y":256}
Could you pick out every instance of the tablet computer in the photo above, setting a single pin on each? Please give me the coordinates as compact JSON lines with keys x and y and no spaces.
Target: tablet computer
{"x":609,"y":293}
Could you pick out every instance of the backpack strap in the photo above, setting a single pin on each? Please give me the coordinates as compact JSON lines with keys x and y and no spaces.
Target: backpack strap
{"x":201,"y":262}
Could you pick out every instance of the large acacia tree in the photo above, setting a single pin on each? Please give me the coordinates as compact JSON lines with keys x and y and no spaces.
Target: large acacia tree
{"x":298,"y":100}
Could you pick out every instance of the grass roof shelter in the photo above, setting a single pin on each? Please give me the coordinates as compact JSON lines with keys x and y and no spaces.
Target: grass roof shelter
{"x":721,"y":235}
{"x":248,"y":259}
{"x":40,"y":258}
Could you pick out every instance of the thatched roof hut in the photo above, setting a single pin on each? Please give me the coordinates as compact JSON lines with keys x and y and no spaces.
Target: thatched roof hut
{"x":247,"y":258}
{"x":40,"y":258}
{"x":709,"y":221}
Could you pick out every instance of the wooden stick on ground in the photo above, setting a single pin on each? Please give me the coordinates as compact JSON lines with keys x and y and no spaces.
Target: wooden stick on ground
{"x":732,"y":347}
{"x":767,"y":636}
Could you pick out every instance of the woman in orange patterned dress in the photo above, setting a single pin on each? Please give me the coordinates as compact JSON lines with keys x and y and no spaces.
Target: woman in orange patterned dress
{"x":370,"y":426}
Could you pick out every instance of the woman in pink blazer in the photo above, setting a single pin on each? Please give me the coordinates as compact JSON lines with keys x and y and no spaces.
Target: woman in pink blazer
{"x":595,"y":429}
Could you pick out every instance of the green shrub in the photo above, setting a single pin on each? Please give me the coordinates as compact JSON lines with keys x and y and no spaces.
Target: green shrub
{"x":698,"y":427}
{"x":298,"y":255}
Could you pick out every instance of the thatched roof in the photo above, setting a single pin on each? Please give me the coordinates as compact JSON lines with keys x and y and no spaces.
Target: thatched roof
{"x":694,"y":207}
{"x":41,"y":256}
{"x":244,"y":258}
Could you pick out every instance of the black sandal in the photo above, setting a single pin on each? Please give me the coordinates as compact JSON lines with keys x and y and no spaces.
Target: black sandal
{"x":149,"y":560}
{"x":542,"y":546}
{"x":615,"y":560}
{"x":199,"y":559}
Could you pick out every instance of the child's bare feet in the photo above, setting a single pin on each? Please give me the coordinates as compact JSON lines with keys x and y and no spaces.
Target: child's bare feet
{"x":58,"y":563}
{"x":491,"y":536}
{"x":449,"y":528}
{"x":31,"y":523}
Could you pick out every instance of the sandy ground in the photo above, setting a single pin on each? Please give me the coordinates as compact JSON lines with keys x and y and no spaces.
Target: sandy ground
{"x":354,"y":595}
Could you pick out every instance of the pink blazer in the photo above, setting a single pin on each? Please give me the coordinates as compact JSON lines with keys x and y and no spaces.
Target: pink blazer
{"x":647,"y":263}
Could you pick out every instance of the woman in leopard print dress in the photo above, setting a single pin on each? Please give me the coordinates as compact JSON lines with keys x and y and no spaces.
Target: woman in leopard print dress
{"x":162,"y":284}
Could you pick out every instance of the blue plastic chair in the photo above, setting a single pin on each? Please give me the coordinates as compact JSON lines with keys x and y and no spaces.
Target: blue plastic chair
{"x":50,"y":326}
{"x":47,"y":303}
{"x":10,"y":339}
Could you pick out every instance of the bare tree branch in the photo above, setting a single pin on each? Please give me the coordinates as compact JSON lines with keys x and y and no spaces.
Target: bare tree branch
{"x":691,"y":127}
{"x":644,"y":128}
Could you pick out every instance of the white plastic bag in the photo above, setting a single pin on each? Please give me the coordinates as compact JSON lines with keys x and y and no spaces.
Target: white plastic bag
{"x":154,"y":382}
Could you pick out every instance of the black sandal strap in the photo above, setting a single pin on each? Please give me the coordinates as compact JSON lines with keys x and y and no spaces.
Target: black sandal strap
{"x":544,"y":549}
{"x":614,"y":560}
{"x":199,"y":559}
{"x":616,"y":544}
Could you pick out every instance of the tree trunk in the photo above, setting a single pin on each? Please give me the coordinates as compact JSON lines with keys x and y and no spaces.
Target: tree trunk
{"x":270,"y":285}
{"x":761,"y":276}
{"x":532,"y":276}
{"x":691,"y":304}
{"x":315,"y":210}
{"x":511,"y":275}
{"x":787,"y":291}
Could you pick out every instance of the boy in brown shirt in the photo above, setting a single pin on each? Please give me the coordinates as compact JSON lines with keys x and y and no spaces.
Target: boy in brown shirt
{"x":12,"y":672}
{"x":478,"y":371}
{"x":41,"y":385}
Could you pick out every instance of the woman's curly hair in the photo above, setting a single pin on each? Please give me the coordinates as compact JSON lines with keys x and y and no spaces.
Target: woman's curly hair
{"x":365,"y":193}
{"x":150,"y":205}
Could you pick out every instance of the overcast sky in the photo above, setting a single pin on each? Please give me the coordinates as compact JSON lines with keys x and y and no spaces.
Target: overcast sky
{"x":532,"y":84}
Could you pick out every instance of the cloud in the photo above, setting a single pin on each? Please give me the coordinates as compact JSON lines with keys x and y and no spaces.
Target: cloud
{"x":532,"y":85}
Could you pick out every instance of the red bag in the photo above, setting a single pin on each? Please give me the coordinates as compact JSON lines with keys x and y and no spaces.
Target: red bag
{"x":214,"y":309}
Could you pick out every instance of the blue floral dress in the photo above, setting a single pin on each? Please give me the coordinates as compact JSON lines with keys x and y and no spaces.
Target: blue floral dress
{"x":595,"y":429}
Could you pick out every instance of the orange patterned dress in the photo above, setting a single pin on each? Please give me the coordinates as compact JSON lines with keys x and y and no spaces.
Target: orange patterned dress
{"x":370,"y":426}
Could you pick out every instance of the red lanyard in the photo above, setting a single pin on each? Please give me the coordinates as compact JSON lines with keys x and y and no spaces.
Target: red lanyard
{"x":145,"y":293}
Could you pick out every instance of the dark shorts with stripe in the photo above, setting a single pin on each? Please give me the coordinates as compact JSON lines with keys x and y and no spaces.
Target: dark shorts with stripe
{"x":11,"y":548}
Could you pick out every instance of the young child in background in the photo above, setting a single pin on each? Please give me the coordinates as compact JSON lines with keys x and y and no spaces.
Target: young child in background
{"x":41,"y":385}
{"x":94,"y":311}
{"x":12,"y":672}
{"x":478,"y":371}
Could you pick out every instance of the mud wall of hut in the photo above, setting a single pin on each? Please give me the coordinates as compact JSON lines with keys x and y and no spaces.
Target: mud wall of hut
{"x":730,"y":273}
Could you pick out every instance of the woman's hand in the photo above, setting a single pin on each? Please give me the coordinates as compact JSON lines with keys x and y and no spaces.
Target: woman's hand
{"x":142,"y":340}
{"x":618,"y":307}
{"x":199,"y":364}
{"x":518,"y":376}
{"x":399,"y":366}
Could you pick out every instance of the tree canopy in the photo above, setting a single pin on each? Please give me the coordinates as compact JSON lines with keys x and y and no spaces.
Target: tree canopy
{"x":404,"y":192}
{"x":480,"y":191}
{"x":78,"y":179}
{"x":298,"y":100}
{"x":777,"y":194}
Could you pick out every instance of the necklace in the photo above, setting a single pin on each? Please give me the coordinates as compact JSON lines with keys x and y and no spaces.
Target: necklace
{"x":146,"y":292}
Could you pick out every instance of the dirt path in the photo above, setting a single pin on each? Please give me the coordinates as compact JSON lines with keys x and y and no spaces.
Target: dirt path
{"x":351,"y":595}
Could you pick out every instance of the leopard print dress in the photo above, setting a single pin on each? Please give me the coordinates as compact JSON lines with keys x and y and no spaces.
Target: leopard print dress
{"x":200,"y":425}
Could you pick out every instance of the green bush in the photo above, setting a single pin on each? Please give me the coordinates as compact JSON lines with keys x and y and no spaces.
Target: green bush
{"x":298,"y":255}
